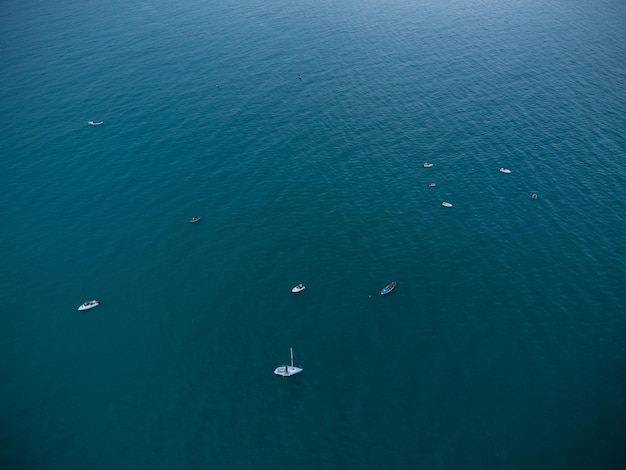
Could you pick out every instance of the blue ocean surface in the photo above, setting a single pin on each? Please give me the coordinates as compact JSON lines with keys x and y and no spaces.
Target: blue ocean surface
{"x":298,"y":130}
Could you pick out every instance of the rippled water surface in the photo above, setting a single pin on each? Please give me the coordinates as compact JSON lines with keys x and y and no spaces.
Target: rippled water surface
{"x":298,"y":131}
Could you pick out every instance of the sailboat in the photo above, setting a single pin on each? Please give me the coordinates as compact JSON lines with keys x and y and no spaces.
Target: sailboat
{"x":286,"y":371}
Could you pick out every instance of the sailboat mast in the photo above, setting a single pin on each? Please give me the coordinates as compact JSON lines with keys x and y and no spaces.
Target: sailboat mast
{"x":291,"y":351}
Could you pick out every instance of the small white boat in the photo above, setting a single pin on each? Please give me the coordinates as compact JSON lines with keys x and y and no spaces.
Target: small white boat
{"x":287,"y":371}
{"x":89,"y":305}
{"x":505,"y":170}
{"x":431,"y":185}
{"x":446,"y":204}
{"x":534,"y":196}
{"x":427,"y":165}
{"x":95,"y":123}
{"x":298,"y":288}
{"x":194,"y":219}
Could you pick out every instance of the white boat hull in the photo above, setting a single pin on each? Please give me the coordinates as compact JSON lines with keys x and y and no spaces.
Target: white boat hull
{"x":89,"y":305}
{"x":287,"y":371}
{"x":298,"y":288}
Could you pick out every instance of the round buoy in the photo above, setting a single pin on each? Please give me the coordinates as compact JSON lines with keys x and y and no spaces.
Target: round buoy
{"x":534,"y":196}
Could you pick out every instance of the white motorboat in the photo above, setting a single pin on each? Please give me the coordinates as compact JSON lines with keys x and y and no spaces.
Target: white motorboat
{"x":95,"y":123}
{"x":298,"y":288}
{"x":89,"y":305}
{"x":505,"y":170}
{"x":194,"y":219}
{"x":446,"y":204}
{"x":431,"y":185}
{"x":427,"y":165}
{"x":289,"y":370}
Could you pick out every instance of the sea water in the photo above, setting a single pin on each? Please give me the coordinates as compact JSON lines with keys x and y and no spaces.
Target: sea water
{"x":298,"y":132}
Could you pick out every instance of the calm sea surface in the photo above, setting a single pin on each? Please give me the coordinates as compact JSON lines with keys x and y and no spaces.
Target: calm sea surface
{"x":298,"y":130}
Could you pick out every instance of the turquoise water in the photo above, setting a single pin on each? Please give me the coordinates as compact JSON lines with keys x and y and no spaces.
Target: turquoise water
{"x":503,"y":345}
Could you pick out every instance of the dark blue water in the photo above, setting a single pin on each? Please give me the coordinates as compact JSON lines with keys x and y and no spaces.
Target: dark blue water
{"x":503,"y":345}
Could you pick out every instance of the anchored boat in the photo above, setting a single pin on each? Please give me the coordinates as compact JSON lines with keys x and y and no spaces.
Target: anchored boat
{"x":89,"y":305}
{"x":289,"y":370}
{"x":298,"y":288}
{"x":388,"y":288}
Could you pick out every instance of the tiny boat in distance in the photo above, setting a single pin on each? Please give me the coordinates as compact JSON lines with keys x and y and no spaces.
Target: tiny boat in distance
{"x":287,"y":371}
{"x":298,"y":288}
{"x":505,"y":170}
{"x":431,"y":185}
{"x":388,"y":288}
{"x":194,"y":219}
{"x":89,"y":305}
{"x":427,"y":165}
{"x":446,"y":204}
{"x":95,"y":123}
